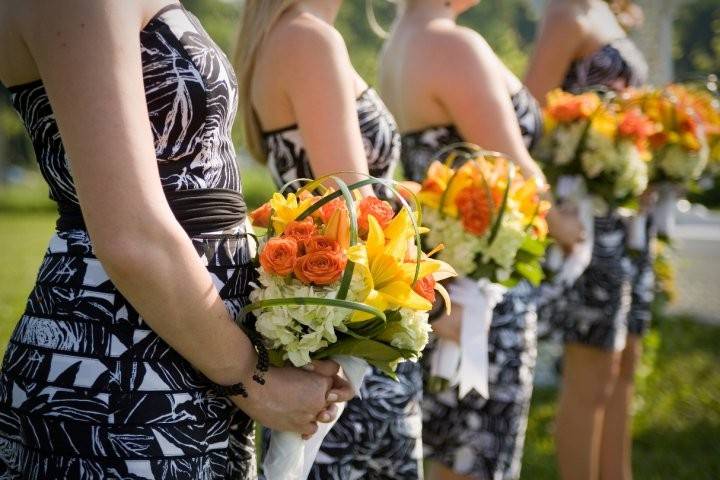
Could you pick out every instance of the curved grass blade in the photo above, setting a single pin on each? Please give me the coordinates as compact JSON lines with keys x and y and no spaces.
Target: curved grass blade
{"x":299,"y":301}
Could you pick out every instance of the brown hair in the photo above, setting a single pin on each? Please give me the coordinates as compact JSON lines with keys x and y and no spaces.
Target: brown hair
{"x":258,"y":18}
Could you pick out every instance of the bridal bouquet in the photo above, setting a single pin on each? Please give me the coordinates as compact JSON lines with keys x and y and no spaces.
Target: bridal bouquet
{"x":600,"y":141}
{"x":680,"y":149}
{"x":493,"y":225}
{"x":601,"y":147}
{"x":706,"y":106}
{"x":339,"y":278}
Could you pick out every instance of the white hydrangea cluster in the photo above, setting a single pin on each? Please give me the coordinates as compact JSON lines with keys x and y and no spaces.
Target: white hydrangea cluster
{"x":620,"y":162}
{"x":633,"y":177}
{"x":461,"y":247}
{"x":300,"y":329}
{"x":679,"y":164}
{"x":567,"y":139}
{"x":414,"y":332}
{"x":599,"y":155}
{"x":505,"y":247}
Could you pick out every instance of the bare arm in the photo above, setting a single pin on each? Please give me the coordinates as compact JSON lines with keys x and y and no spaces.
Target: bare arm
{"x":88,"y":55}
{"x":320,"y":85}
{"x":472,"y":89}
{"x":557,"y":44}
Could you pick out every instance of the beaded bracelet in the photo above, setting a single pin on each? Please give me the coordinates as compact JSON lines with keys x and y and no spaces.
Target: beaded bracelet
{"x":263,"y":364}
{"x":261,"y":368}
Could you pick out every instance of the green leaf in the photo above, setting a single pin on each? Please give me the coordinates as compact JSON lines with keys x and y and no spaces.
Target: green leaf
{"x":370,"y":350}
{"x":276,"y":358}
{"x":533,"y":246}
{"x":533,"y":272}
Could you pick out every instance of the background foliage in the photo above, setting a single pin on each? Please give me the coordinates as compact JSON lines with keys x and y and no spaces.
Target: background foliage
{"x":508,"y":26}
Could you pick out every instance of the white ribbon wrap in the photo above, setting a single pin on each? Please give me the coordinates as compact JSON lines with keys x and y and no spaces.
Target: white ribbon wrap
{"x":289,"y":457}
{"x":569,"y":267}
{"x":637,"y":232}
{"x":664,"y":214}
{"x":466,"y":365}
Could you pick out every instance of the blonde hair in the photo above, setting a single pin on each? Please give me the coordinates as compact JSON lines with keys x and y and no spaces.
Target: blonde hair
{"x":375,"y":26}
{"x":627,"y":12}
{"x":258,"y":18}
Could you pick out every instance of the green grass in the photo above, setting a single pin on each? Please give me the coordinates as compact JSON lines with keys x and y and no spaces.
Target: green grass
{"x":677,"y":424}
{"x":676,"y":428}
{"x":30,"y":196}
{"x":23,"y":240}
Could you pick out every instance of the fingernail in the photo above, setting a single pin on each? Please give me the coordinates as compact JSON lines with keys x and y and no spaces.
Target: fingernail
{"x":309,"y":367}
{"x":325,"y":417}
{"x":332,"y":397}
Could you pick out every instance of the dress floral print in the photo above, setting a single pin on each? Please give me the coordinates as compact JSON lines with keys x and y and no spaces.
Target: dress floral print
{"x":87,"y":389}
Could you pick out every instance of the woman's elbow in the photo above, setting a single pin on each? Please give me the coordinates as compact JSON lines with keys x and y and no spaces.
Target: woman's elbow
{"x":129,"y":252}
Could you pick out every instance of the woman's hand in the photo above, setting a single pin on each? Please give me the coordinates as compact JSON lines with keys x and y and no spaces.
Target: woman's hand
{"x":565,"y":227}
{"x":294,"y":400}
{"x":449,"y":326}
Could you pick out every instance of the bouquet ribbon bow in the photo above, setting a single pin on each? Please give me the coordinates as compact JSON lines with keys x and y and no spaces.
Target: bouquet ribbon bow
{"x":466,"y":365}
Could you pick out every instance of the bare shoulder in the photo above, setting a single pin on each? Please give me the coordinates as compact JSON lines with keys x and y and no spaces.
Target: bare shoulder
{"x":308,"y":38}
{"x":462,"y":47}
{"x":564,"y":17}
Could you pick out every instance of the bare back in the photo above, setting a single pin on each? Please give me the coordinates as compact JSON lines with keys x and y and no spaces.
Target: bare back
{"x":274,"y":78}
{"x":410,"y":65}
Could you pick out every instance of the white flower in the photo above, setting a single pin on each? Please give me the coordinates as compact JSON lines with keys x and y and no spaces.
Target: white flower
{"x":632,"y":177}
{"x":681,"y":165}
{"x":567,"y":140}
{"x":300,"y":330}
{"x":414,"y":331}
{"x":599,"y":155}
{"x":510,"y":238}
{"x":461,"y":247}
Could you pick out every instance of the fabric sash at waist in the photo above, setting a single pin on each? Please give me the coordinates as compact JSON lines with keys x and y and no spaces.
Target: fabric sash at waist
{"x":198,"y":211}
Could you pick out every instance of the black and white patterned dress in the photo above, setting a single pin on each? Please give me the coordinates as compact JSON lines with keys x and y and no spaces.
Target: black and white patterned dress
{"x":614,"y":294}
{"x":288,"y":161}
{"x":87,"y":389}
{"x":378,"y":436}
{"x":483,"y":438}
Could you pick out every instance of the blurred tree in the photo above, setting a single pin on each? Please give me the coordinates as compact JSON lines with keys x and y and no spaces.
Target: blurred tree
{"x":507,"y":25}
{"x":696,"y":50}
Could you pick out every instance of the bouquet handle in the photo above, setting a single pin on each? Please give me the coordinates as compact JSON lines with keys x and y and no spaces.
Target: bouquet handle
{"x":664,"y":214}
{"x":470,"y":358}
{"x":569,"y":267}
{"x":289,"y":457}
{"x":637,"y":232}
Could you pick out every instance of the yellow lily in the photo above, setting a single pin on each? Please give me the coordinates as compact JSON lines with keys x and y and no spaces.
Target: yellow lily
{"x":438,"y":176}
{"x":287,"y":209}
{"x":605,"y":123}
{"x":388,"y":282}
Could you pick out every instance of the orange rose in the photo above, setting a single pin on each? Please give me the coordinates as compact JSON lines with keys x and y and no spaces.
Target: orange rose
{"x":300,"y":231}
{"x":380,"y":209}
{"x":279,"y":255}
{"x":261,"y":216}
{"x":320,"y":267}
{"x":634,"y":124}
{"x":573,"y":107}
{"x":474,"y":208}
{"x":425,"y":287}
{"x":321,"y":243}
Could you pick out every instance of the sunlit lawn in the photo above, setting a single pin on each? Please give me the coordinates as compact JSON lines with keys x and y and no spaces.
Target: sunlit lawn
{"x":677,"y":426}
